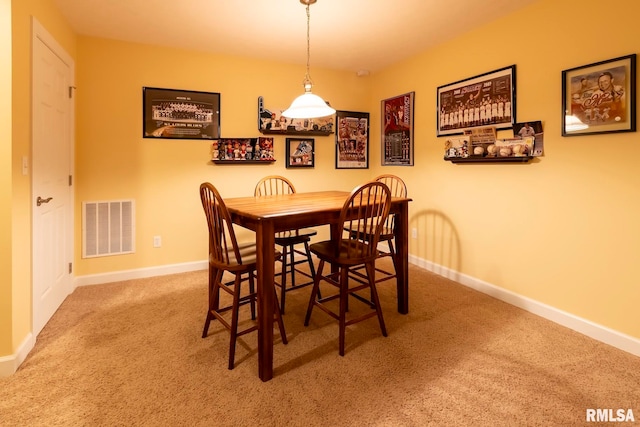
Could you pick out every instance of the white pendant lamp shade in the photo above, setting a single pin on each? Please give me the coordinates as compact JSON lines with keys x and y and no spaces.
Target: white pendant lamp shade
{"x":308,"y":105}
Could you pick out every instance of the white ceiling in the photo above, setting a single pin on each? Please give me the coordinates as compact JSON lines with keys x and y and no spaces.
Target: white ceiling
{"x":350,"y":35}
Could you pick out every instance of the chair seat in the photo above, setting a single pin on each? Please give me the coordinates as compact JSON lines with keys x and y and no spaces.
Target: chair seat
{"x":292,"y":237}
{"x":326,"y":251}
{"x":249,"y":255}
{"x":386,"y":233}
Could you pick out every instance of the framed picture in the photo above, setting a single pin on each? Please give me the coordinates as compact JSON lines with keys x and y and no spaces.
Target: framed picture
{"x":485,"y":100}
{"x":397,"y":130}
{"x":242,"y":150}
{"x":300,"y":153}
{"x":534,"y":129}
{"x":180,"y":114}
{"x":352,"y":140}
{"x":600,"y":97}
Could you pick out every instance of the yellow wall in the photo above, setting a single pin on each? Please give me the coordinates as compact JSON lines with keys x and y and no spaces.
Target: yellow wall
{"x":5,"y":179}
{"x":563,"y":229}
{"x":18,"y":288}
{"x":114,"y":161}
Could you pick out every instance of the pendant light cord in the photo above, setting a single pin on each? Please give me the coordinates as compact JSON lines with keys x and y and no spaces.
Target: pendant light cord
{"x":307,"y":78}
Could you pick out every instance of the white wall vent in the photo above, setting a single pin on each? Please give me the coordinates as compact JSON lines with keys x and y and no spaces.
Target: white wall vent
{"x":108,"y":228}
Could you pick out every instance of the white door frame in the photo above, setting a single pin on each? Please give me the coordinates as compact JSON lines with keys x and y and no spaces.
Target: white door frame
{"x":41,"y":35}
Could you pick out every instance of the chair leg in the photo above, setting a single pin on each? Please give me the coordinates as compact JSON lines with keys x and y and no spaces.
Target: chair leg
{"x":278,"y":314}
{"x":234,"y":320}
{"x":344,"y":295}
{"x":252,"y":290}
{"x":374,"y":295}
{"x":292,"y":265}
{"x":314,"y":292}
{"x":283,"y":277}
{"x":214,"y":297}
{"x":393,"y":255}
{"x":312,"y":268}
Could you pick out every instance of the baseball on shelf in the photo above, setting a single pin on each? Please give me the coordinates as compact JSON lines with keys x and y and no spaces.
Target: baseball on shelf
{"x":478,"y":151}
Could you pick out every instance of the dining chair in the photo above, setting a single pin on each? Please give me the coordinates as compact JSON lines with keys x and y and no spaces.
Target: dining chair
{"x":398,"y":188}
{"x":289,"y":240}
{"x":226,"y":254}
{"x":367,"y":208}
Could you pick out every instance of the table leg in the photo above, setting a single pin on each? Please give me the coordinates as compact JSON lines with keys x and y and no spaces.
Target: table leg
{"x":265,"y":289}
{"x":402,"y":257}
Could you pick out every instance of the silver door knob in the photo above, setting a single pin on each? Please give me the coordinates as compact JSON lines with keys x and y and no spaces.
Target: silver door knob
{"x":40,"y":200}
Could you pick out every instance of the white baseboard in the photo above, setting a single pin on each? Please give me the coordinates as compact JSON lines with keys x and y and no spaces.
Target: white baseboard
{"x":10,"y":364}
{"x":586,"y":327}
{"x":140,"y":273}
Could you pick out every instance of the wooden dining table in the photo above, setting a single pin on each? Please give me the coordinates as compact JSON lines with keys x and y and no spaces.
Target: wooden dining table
{"x":266,"y":215}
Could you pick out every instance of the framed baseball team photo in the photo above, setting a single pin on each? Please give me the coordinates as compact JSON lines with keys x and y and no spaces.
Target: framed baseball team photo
{"x":484,"y":100}
{"x":180,"y":114}
{"x":600,"y":97}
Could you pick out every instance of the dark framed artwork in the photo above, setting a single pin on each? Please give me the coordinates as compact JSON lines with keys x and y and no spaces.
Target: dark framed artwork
{"x":600,"y":97}
{"x":242,"y":150}
{"x":397,"y":130}
{"x":485,"y":100}
{"x":300,"y":153}
{"x":180,"y":114}
{"x":352,"y":140}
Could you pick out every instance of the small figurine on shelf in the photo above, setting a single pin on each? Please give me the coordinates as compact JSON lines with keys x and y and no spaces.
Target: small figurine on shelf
{"x":236,"y":150}
{"x":229,"y":152}
{"x":271,"y":123}
{"x":257,"y":153}
{"x":243,"y":151}
{"x":215,"y":152}
{"x":283,"y":122}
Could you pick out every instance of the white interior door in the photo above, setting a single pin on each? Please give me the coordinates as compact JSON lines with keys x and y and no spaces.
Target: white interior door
{"x":52,"y":197}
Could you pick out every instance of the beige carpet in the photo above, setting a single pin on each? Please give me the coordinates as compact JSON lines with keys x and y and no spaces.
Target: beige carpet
{"x":130,"y":353}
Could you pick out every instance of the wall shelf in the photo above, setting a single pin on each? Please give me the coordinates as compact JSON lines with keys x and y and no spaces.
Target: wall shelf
{"x":522,"y":159}
{"x":295,"y":132}
{"x":243,"y":162}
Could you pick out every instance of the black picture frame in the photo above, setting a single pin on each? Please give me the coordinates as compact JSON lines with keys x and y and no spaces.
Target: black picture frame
{"x":352,"y":140}
{"x":397,"y":130}
{"x":463,"y":104}
{"x":238,"y":151}
{"x":600,"y":97}
{"x":180,"y":114}
{"x":300,"y":153}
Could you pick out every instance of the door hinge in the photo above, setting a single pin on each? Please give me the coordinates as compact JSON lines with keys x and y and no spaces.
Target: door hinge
{"x":70,"y":180}
{"x":71,"y":88}
{"x":70,"y":267}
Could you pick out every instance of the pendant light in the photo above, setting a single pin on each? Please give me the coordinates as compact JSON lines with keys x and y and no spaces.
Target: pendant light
{"x":308,"y":105}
